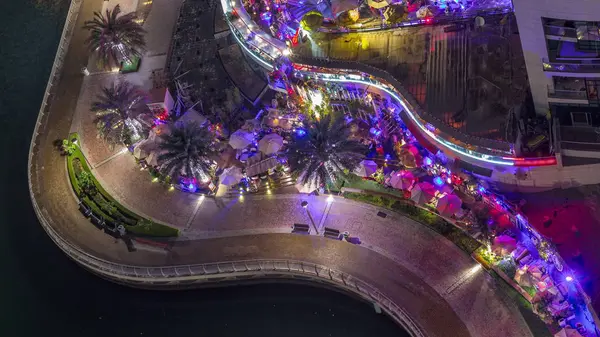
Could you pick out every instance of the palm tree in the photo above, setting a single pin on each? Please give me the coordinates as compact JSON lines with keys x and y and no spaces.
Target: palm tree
{"x":115,"y":38}
{"x":320,"y":156}
{"x":186,"y":150}
{"x":118,"y":108}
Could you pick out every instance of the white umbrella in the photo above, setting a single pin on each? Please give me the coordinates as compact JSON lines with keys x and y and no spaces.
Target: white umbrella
{"x":140,"y":151}
{"x":152,"y":159}
{"x":448,"y":205}
{"x":241,"y":139}
{"x":231,"y":176}
{"x":422,"y":193}
{"x":366,"y":168}
{"x":504,"y":245}
{"x":402,"y":180}
{"x":270,"y":143}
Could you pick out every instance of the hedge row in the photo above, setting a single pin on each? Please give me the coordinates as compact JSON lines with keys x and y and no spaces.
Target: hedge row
{"x":102,"y":202}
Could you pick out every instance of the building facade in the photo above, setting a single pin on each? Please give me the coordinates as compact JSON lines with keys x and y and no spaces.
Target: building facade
{"x":561,"y":45}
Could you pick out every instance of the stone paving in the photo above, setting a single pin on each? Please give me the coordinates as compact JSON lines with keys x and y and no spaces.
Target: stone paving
{"x":122,"y":178}
{"x":95,"y":149}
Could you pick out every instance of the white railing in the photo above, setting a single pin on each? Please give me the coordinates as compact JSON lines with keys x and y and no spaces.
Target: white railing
{"x":227,"y":271}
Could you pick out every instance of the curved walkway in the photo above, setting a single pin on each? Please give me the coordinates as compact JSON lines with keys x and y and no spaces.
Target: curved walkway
{"x":416,"y":268}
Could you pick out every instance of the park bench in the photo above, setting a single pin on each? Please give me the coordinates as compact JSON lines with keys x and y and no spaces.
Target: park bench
{"x":84,"y":209}
{"x":98,"y":221}
{"x":331,"y":233}
{"x":300,"y":228}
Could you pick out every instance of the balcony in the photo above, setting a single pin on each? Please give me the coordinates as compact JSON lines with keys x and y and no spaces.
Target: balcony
{"x":567,"y":96}
{"x":560,"y":33}
{"x":579,"y":145}
{"x":588,"y":68}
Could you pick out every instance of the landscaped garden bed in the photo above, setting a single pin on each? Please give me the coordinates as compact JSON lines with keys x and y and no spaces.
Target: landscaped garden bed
{"x":103,"y":205}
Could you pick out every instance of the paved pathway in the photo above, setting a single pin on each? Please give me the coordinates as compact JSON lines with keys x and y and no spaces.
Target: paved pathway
{"x":415,"y":267}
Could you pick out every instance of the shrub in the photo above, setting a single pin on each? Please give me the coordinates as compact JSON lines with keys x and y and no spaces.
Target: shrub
{"x":103,"y":205}
{"x":150,"y":228}
{"x":73,"y":177}
{"x":508,"y":267}
{"x":86,"y":182}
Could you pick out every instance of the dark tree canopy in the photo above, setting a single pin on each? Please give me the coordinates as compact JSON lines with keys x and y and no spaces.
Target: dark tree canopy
{"x":114,"y":37}
{"x":118,"y":108}
{"x":325,"y":151}
{"x":186,"y":151}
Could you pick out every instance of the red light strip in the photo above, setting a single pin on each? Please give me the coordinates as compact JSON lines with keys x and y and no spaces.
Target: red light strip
{"x":535,"y":162}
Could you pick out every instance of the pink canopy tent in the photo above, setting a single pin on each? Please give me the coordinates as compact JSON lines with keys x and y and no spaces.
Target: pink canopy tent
{"x":504,"y":245}
{"x":422,"y":193}
{"x":448,"y":205}
{"x":402,"y":180}
{"x":366,"y":168}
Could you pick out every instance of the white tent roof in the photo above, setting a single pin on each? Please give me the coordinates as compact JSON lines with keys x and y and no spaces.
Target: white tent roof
{"x":241,"y":139}
{"x":191,"y":116}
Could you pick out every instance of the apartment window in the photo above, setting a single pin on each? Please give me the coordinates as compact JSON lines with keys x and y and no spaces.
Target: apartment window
{"x":580,"y":118}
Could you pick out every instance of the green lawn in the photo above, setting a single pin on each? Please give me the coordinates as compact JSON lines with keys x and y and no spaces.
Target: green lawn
{"x":354,"y":181}
{"x":104,"y":205}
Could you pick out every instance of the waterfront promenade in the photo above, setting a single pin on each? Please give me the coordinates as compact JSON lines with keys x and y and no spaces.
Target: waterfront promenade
{"x":419,"y":270}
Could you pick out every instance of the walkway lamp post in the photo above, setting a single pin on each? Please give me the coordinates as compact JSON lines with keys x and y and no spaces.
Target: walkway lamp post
{"x":304,"y":204}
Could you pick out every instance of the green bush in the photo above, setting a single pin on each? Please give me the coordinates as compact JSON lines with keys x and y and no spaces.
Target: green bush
{"x":73,"y":177}
{"x":96,"y":210}
{"x":103,"y":204}
{"x":509,"y":267}
{"x":150,"y":228}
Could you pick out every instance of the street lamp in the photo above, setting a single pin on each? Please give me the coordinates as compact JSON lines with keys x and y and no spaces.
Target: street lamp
{"x":304,"y":205}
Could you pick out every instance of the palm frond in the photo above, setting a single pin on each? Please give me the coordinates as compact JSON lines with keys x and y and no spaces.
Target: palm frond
{"x":117,"y":109}
{"x":325,"y":151}
{"x":114,"y":38}
{"x":186,"y":151}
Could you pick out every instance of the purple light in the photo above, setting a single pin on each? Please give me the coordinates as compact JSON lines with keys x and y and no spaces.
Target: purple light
{"x":266,"y":16}
{"x":569,"y":278}
{"x":300,"y":132}
{"x":191,"y":186}
{"x":438,"y":181}
{"x":428,"y":161}
{"x":481,"y":189}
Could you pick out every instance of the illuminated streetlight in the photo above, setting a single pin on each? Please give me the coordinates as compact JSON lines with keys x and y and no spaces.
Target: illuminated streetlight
{"x":304,"y":204}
